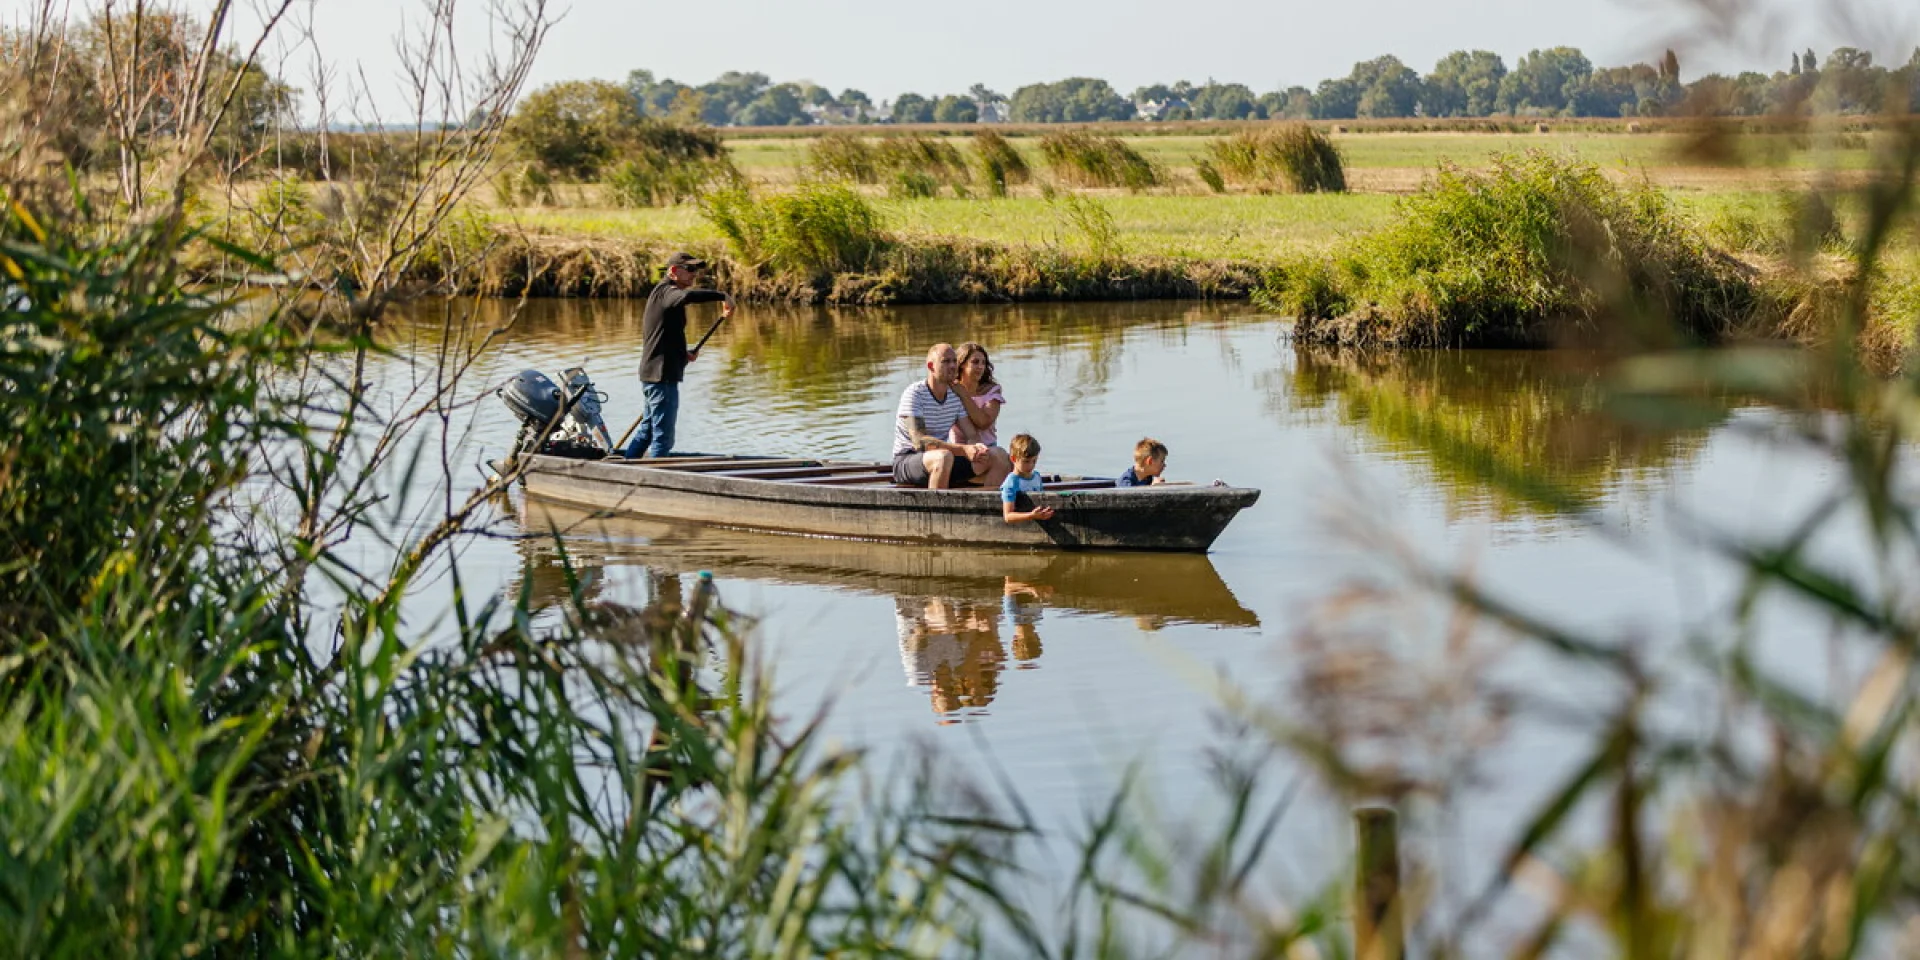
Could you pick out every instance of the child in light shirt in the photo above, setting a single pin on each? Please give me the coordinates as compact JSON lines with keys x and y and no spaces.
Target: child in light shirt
{"x":1025,"y":478}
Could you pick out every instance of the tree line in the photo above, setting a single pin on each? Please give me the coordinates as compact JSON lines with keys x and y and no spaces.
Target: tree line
{"x":1555,"y":82}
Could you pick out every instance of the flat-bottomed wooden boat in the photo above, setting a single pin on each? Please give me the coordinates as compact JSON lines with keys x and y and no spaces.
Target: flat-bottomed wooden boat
{"x":1162,"y":588}
{"x":859,"y":499}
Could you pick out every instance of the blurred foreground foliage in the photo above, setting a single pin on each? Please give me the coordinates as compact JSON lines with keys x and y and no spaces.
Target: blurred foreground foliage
{"x":218,"y":736}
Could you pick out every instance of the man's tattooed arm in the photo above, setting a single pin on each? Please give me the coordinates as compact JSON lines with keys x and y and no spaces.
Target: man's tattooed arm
{"x":922,"y":440}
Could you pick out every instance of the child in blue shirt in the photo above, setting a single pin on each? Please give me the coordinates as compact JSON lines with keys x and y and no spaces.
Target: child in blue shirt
{"x":1025,"y":478}
{"x":1149,"y":462}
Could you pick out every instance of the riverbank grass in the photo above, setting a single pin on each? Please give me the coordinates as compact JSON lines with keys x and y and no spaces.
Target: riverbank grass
{"x":1532,"y":250}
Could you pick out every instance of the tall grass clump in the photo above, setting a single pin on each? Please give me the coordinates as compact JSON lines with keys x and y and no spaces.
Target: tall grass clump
{"x":1288,"y":157}
{"x":1001,"y":166}
{"x":818,"y":229}
{"x":904,"y":162}
{"x":666,"y":163}
{"x":1088,"y":160}
{"x":1210,"y":175}
{"x":1533,"y":248}
{"x":933,"y":157}
{"x":845,"y":156}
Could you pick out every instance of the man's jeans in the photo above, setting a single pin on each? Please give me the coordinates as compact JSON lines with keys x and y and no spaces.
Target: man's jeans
{"x":655,"y":436}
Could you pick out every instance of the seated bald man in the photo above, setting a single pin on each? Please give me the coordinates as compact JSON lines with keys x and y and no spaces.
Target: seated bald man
{"x":922,"y":456}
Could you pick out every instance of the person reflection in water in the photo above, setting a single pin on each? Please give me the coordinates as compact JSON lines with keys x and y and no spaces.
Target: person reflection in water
{"x":1021,"y":604}
{"x":953,"y":648}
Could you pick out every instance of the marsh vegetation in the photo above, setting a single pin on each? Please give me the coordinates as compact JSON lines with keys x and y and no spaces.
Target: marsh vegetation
{"x":226,"y":727}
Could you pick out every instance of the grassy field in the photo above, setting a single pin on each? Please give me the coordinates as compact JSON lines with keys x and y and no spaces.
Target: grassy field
{"x":1239,"y":226}
{"x":1203,"y":226}
{"x":1184,"y":219}
{"x":781,"y":159}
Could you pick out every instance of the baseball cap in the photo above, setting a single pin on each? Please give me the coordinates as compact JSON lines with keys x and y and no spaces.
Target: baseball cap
{"x":686,"y":260}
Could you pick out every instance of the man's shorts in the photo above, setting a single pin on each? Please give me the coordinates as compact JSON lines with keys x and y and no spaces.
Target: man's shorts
{"x":910,"y":470}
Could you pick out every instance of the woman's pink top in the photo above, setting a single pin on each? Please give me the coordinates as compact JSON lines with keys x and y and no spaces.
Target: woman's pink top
{"x":987,"y":435}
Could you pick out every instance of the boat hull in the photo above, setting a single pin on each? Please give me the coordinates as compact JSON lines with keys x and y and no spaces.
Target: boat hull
{"x":1165,"y":518}
{"x":1159,"y":588}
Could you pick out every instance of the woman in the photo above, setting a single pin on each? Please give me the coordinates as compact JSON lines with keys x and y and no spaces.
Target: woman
{"x":980,"y":394}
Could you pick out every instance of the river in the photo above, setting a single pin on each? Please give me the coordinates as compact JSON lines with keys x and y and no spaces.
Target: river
{"x":1059,"y":673}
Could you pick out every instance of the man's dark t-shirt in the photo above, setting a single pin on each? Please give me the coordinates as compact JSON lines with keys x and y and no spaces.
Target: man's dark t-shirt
{"x":663,"y":330}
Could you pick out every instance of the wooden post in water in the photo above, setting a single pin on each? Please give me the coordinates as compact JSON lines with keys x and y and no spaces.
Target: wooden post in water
{"x":1379,"y":914}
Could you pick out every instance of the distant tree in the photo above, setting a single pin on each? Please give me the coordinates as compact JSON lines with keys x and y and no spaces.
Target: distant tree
{"x":1909,"y":91}
{"x":1223,"y":101}
{"x":1381,"y":87}
{"x":1791,"y":95}
{"x":728,"y":96}
{"x":1622,"y":92}
{"x":1849,"y":58}
{"x":814,"y":95}
{"x":954,"y":109}
{"x":574,"y":128}
{"x":776,"y":106}
{"x":1388,"y":88}
{"x":654,"y":98}
{"x":1749,"y":98}
{"x":1073,"y":100}
{"x":1464,"y":84}
{"x":1670,"y":68}
{"x":1293,"y":103}
{"x":1336,"y":100}
{"x":856,"y":102}
{"x":1153,"y":93}
{"x":1807,"y":63}
{"x":1851,"y":83}
{"x":1544,"y":81}
{"x":912,"y":108}
{"x":1796,"y":64}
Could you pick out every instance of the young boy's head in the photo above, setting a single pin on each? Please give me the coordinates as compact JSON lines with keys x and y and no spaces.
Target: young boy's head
{"x":1025,"y":453}
{"x":1149,"y":458}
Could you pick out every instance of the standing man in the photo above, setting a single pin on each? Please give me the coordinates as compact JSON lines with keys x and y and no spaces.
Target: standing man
{"x":664,"y":356}
{"x":922,"y":456}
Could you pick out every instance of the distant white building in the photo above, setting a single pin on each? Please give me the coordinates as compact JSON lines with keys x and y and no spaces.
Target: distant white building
{"x":1156,"y":109}
{"x":831,"y":113}
{"x":992,"y":111}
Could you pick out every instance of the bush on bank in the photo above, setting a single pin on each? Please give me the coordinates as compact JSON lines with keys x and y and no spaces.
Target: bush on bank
{"x":1533,"y":249}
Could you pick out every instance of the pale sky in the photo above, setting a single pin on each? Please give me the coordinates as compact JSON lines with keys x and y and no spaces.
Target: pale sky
{"x":885,"y":47}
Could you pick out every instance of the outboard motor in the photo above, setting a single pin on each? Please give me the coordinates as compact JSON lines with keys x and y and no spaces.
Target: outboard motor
{"x":534,"y":399}
{"x":583,"y":423}
{"x":554,"y":421}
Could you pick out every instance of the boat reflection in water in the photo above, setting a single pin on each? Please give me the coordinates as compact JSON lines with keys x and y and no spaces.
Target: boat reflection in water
{"x":962,"y":614}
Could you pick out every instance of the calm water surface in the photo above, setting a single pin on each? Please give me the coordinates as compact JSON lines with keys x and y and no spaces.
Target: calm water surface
{"x":1061,"y":671}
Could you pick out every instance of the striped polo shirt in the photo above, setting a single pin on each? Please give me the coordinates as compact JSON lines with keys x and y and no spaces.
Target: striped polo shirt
{"x":938,"y":417}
